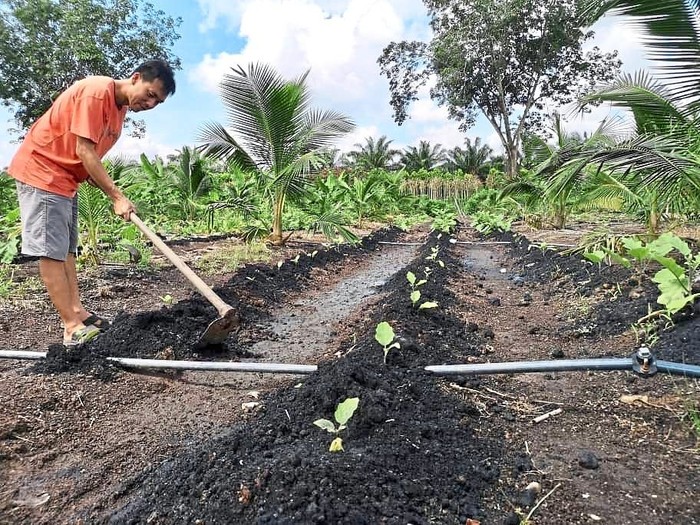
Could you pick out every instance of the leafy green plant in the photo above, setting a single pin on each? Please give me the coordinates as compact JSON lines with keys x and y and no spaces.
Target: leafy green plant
{"x":433,"y":256}
{"x":415,"y":283}
{"x":343,"y":412}
{"x":445,"y":222}
{"x":486,"y":222}
{"x":94,"y":212}
{"x":674,"y":280}
{"x":384,"y":334}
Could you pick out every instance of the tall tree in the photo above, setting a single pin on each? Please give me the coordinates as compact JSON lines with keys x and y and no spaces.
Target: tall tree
{"x":46,"y":45}
{"x":373,"y":154}
{"x":505,"y":59}
{"x":424,"y":156}
{"x":274,"y":132}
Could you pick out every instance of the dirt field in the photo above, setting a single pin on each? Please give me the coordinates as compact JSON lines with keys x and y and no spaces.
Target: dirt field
{"x":83,"y":441}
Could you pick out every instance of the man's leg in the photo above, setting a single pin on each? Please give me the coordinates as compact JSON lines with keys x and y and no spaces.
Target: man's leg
{"x":72,"y":276}
{"x":60,"y":281}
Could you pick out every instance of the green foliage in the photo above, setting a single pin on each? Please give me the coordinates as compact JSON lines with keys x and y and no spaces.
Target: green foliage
{"x":445,"y":222}
{"x":487,"y":222}
{"x":422,"y":157}
{"x":674,"y":280}
{"x":47,"y":45}
{"x":343,"y":412}
{"x":277,"y":134}
{"x":384,"y":335}
{"x":93,"y":212}
{"x":500,"y":59}
{"x":373,"y":154}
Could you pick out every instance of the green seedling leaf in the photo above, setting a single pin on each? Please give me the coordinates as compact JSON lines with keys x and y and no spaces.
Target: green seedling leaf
{"x":442,"y":264}
{"x":635,"y":248}
{"x":415,"y":296}
{"x":670,"y":265}
{"x":428,"y":304}
{"x":411,"y":278}
{"x":326,"y":425}
{"x":296,"y":259}
{"x":345,"y":410}
{"x":279,"y":264}
{"x":596,"y":256}
{"x":666,"y":243}
{"x":167,"y":299}
{"x":336,"y":445}
{"x":384,"y":334}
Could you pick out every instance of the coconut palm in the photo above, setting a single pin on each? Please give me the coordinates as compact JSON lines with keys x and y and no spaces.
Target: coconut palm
{"x":663,"y":153}
{"x":558,"y":178}
{"x":422,"y":157}
{"x":374,"y":154}
{"x":273,"y":131}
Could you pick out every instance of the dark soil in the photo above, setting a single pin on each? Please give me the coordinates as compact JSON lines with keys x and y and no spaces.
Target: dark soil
{"x":420,"y":448}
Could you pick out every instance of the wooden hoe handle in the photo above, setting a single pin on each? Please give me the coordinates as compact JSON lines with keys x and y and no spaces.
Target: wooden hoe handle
{"x":192,"y":277}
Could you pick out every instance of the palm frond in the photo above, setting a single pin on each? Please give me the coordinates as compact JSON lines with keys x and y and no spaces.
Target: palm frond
{"x":647,"y":98}
{"x":671,"y":34}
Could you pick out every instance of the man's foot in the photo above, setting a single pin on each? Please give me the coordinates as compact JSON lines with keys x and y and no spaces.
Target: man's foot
{"x":81,"y":336}
{"x":97,"y":321}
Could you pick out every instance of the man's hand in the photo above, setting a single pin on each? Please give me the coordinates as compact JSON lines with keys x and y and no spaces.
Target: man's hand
{"x":124,"y":207}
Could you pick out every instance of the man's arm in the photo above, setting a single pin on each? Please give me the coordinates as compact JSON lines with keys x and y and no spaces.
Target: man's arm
{"x":85,"y":149}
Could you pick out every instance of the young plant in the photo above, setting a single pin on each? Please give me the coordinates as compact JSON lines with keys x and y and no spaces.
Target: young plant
{"x":343,"y":413}
{"x":384,"y":334}
{"x":433,"y":256}
{"x":415,"y":283}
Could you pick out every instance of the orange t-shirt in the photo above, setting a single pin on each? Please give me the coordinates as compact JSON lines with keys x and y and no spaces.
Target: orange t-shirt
{"x":46,"y":158}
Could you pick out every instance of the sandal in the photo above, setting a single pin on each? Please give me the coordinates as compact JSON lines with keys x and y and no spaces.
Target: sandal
{"x":81,"y":336}
{"x":97,"y":321}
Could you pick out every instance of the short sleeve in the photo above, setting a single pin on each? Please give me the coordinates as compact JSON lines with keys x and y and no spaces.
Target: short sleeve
{"x":87,"y":120}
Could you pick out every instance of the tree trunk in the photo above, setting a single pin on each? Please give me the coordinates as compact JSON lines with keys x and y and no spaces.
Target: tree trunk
{"x":276,"y":237}
{"x":512,"y":162}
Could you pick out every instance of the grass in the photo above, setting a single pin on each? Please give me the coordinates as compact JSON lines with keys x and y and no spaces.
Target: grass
{"x":229,"y":258}
{"x":13,"y":288}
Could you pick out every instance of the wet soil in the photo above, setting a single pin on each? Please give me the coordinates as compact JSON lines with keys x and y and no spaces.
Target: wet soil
{"x":82,"y":441}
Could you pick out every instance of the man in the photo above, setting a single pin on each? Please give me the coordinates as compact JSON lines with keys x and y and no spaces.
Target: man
{"x":63,"y":148}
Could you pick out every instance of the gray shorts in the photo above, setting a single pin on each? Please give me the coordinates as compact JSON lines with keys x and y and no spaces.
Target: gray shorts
{"x":49,"y":223}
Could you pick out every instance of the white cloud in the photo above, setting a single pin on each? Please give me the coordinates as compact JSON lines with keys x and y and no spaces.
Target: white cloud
{"x":357,"y":136}
{"x":130,"y":148}
{"x":338,"y":41}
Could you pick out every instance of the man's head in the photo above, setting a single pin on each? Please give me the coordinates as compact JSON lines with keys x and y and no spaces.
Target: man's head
{"x":151,"y":83}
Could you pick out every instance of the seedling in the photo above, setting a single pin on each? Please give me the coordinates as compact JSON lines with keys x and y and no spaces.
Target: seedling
{"x":415,"y":283}
{"x":343,"y":413}
{"x":433,"y":256}
{"x":296,"y":259}
{"x":279,"y":264}
{"x":167,"y":299}
{"x":384,"y":335}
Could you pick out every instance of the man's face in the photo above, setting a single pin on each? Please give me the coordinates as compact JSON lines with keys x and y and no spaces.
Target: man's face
{"x":145,"y":95}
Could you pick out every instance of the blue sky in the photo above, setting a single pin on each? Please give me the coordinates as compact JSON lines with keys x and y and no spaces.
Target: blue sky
{"x":338,"y":40}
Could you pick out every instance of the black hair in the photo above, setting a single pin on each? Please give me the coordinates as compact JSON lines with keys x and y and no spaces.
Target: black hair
{"x":158,"y":69}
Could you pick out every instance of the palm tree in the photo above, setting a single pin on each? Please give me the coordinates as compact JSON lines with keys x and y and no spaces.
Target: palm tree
{"x":423,"y":157}
{"x":373,"y":155}
{"x":273,"y":132}
{"x":558,"y":178}
{"x":472,"y":159}
{"x":663,"y":152}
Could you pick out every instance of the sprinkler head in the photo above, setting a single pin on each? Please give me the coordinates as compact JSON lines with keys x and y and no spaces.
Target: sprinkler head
{"x":643,"y":362}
